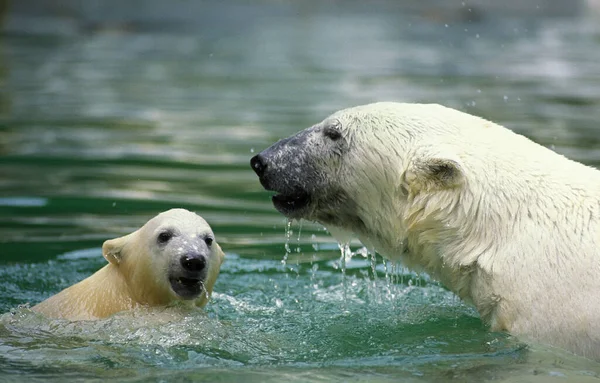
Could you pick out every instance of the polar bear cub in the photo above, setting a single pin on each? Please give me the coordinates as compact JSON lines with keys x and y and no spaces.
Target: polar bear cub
{"x":174,"y":256}
{"x":505,"y":223}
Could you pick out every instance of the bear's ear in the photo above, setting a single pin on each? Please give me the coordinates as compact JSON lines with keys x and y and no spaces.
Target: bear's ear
{"x":113,"y":249}
{"x":434,"y":173}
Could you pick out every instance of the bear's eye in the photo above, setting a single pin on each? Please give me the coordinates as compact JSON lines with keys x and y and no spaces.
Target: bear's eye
{"x":208,"y":241}
{"x":332,"y":133}
{"x":164,"y":236}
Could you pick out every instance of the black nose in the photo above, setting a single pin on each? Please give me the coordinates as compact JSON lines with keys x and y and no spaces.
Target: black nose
{"x":258,"y":164}
{"x":193,"y":263}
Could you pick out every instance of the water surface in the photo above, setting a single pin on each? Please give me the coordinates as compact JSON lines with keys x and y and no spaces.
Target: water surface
{"x":103,"y":124}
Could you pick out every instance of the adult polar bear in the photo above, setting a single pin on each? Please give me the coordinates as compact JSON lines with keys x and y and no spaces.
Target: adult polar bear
{"x":173,"y":257}
{"x":503,"y":222}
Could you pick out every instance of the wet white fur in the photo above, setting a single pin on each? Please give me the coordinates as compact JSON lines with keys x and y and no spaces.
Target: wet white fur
{"x":137,"y":273}
{"x":516,"y":232}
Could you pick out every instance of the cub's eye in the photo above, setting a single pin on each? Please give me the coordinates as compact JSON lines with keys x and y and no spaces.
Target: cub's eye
{"x":164,"y":237}
{"x":208,"y":241}
{"x":332,"y":133}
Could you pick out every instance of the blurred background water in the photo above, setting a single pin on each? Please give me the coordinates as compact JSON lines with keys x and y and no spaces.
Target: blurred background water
{"x":111,"y":112}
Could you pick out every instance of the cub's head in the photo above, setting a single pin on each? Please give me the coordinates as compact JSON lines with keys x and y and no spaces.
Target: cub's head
{"x":174,"y":256}
{"x":360,"y":167}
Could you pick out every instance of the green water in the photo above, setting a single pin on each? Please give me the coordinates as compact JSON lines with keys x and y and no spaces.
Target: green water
{"x":102,"y":128}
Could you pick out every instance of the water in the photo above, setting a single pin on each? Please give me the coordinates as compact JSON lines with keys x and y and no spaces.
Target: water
{"x":103,"y":124}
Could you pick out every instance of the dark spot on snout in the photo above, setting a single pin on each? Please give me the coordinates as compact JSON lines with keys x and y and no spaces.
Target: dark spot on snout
{"x":193,"y":263}
{"x":288,"y":168}
{"x":259,"y":165}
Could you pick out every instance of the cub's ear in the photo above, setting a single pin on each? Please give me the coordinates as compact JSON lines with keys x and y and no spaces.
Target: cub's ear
{"x":434,"y":173}
{"x":113,"y":249}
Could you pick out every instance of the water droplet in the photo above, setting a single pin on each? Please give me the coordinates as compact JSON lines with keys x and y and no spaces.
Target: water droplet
{"x":315,"y":245}
{"x":251,"y":150}
{"x":363,"y":251}
{"x":505,"y":98}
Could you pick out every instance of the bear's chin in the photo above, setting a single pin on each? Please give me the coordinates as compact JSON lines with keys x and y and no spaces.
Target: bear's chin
{"x":187,"y":288}
{"x":292,"y":206}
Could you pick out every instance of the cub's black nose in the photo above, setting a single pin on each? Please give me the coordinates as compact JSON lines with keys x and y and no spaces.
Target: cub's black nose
{"x":193,"y":263}
{"x":258,"y":165}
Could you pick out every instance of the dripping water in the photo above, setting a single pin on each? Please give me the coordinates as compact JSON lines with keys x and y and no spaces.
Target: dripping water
{"x":313,"y":264}
{"x":346,"y":253}
{"x":298,"y":249}
{"x":387,"y":278}
{"x":373,"y":261}
{"x":209,"y":301}
{"x":288,"y":235}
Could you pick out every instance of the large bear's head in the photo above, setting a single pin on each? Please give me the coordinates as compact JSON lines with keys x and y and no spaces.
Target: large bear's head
{"x":174,"y":256}
{"x":360,"y":168}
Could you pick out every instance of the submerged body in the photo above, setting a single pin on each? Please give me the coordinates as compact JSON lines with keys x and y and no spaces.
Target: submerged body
{"x":506,"y":224}
{"x":173,"y":257}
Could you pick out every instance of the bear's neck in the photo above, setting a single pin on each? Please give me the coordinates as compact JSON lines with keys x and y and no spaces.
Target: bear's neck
{"x":98,"y":296}
{"x":420,"y":240}
{"x":109,"y":290}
